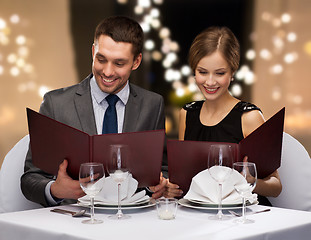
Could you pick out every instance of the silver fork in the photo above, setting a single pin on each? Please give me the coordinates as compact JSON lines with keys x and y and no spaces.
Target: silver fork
{"x":240,"y":215}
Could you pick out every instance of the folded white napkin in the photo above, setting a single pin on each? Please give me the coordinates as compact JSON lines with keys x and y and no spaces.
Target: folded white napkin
{"x":205,"y":189}
{"x":109,"y":192}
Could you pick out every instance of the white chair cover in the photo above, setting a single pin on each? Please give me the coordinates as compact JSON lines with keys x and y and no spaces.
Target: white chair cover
{"x":295,"y":174}
{"x":11,"y":197}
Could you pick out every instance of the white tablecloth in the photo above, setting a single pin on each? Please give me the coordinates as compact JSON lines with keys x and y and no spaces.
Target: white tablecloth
{"x":189,"y":224}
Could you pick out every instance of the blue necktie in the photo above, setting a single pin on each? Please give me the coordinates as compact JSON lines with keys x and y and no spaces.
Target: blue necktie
{"x":110,"y":124}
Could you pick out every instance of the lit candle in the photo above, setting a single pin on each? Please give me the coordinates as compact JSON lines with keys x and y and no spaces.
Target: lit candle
{"x":166,"y":214}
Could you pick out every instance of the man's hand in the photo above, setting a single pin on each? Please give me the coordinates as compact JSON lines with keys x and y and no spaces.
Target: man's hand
{"x":159,"y":189}
{"x":65,"y":186}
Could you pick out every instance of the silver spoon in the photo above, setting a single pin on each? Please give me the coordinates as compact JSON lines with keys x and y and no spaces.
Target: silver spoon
{"x":240,"y":215}
{"x":72,"y":213}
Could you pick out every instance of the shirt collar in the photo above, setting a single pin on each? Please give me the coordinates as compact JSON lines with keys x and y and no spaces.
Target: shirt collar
{"x":99,"y":95}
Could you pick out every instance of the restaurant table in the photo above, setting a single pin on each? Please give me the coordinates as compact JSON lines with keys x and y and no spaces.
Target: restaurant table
{"x":144,"y":224}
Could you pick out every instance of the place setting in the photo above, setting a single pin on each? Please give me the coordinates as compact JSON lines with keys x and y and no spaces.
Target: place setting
{"x":224,"y":185}
{"x":119,"y":189}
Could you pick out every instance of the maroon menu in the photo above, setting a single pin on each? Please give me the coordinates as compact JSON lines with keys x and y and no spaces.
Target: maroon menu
{"x":52,"y":142}
{"x":263,"y":147}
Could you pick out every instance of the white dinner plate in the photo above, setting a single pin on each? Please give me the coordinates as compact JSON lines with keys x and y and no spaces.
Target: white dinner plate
{"x":142,"y":204}
{"x":212,"y":206}
{"x":144,"y":200}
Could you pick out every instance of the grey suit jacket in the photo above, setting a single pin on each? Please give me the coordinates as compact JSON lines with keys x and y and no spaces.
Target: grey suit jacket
{"x":73,"y":106}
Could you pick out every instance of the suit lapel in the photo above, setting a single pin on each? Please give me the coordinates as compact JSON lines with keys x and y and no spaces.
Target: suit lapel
{"x":132,"y":111}
{"x":84,"y":107}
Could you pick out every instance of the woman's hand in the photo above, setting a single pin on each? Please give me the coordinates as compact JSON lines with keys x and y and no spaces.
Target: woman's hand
{"x":172,"y":190}
{"x":159,"y":189}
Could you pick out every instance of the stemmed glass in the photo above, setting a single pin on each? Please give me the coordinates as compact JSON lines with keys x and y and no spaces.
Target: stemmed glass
{"x":249,"y":172}
{"x":91,"y":178}
{"x":117,"y":169}
{"x":220,"y":160}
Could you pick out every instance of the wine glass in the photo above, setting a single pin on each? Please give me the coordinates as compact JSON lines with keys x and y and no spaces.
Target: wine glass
{"x":117,"y":169}
{"x":91,"y":178}
{"x":220,"y":160}
{"x":249,"y":172}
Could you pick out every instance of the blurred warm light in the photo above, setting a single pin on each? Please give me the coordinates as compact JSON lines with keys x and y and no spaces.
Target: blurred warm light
{"x":169,"y":75}
{"x":180,"y":92}
{"x":156,"y":55}
{"x":149,"y":44}
{"x":21,"y":40}
{"x":241,"y":73}
{"x":265,"y":54}
{"x":276,"y":69}
{"x":185,"y":70}
{"x":22,"y":88}
{"x":28,"y":68}
{"x":251,"y":54}
{"x":138,"y":10}
{"x":266,"y":16}
{"x":145,"y":26}
{"x":174,"y":46}
{"x":144,"y":3}
{"x":158,"y":1}
{"x":4,"y":40}
{"x":1,"y":69}
{"x":307,"y":47}
{"x":23,"y":51}
{"x":291,"y":37}
{"x":294,"y":98}
{"x":290,"y":57}
{"x":286,"y":18}
{"x":2,"y":24}
{"x":20,"y":62}
{"x":166,"y":63}
{"x":177,"y":84}
{"x":43,"y":90}
{"x":172,"y":75}
{"x":168,"y":124}
{"x":299,"y":120}
{"x":122,"y":1}
{"x":14,"y":19}
{"x":12,"y":58}
{"x":249,"y":78}
{"x":166,"y":46}
{"x":6,"y":115}
{"x":172,"y":57}
{"x":236,"y":90}
{"x":281,"y":33}
{"x":297,"y":99}
{"x":164,"y":33}
{"x":276,"y":22}
{"x":155,"y":12}
{"x":278,"y":42}
{"x":14,"y":71}
{"x":155,"y":23}
{"x":193,"y":87}
{"x":276,"y":94}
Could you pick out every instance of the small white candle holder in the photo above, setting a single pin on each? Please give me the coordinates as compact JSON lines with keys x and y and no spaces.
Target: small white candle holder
{"x":166,"y":208}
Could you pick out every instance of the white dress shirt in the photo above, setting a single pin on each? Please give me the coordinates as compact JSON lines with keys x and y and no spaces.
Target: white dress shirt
{"x":100,"y":106}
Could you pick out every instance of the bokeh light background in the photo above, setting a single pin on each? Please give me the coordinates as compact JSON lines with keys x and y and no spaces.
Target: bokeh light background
{"x":46,"y":45}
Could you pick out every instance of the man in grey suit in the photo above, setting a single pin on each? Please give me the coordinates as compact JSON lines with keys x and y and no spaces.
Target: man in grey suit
{"x":117,"y":51}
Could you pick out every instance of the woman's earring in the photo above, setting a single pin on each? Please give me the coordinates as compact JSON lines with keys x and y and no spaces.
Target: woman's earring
{"x":232,"y":79}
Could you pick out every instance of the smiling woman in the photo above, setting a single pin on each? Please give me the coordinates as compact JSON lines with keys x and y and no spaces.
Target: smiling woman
{"x":214,"y":57}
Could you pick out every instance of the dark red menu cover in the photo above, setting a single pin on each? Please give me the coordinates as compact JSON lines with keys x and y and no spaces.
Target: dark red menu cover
{"x":52,"y":142}
{"x":263,"y":147}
